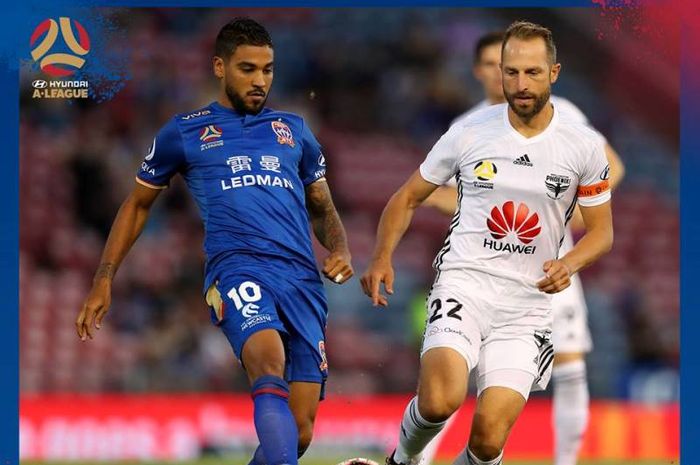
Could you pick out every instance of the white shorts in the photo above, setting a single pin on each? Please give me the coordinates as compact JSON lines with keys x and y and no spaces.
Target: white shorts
{"x":509,"y":347}
{"x":571,"y":334}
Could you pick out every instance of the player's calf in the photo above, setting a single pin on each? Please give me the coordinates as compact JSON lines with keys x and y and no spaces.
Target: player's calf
{"x":263,"y":357}
{"x":305,"y":425}
{"x":496,"y":411}
{"x":441,"y":390}
{"x":303,"y":402}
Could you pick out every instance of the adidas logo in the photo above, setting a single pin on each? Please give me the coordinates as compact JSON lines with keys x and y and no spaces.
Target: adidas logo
{"x":524,"y":161}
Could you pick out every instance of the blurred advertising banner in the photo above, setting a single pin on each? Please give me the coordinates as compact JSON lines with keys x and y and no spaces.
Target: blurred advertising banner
{"x":125,"y":427}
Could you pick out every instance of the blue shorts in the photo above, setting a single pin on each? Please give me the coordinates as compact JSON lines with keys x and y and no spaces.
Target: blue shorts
{"x":244,"y":302}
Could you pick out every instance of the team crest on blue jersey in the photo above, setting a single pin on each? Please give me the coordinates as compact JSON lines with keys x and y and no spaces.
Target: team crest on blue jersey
{"x":283,"y":133}
{"x":211,"y":136}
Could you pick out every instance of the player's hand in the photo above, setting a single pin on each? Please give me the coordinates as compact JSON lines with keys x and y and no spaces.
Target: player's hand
{"x":94,"y":309}
{"x":338,"y":267}
{"x":379,"y":271}
{"x":557,"y":277}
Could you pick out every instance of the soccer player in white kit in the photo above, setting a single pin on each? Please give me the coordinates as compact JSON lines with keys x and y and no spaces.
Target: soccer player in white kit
{"x":571,"y":336}
{"x":489,"y":309}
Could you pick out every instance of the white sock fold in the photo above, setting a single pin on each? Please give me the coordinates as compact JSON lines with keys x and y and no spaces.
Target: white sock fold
{"x":416,"y":433}
{"x":467,"y":457}
{"x":570,"y":413}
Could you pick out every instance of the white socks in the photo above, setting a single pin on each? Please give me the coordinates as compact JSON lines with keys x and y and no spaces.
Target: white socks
{"x":416,"y":432}
{"x":466,"y":457}
{"x":570,"y":414}
{"x":432,"y":447}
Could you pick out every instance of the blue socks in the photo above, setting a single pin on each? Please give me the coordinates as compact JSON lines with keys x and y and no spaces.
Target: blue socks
{"x":274,"y":423}
{"x":258,"y":457}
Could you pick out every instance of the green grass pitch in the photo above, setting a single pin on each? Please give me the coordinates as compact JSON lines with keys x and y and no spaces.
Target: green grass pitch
{"x":331,"y":461}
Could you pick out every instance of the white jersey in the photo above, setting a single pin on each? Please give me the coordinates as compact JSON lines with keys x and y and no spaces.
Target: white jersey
{"x":515,"y":195}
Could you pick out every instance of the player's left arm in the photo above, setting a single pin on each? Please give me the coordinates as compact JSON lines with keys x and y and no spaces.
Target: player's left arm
{"x":329,"y":231}
{"x":595,"y":243}
{"x":593,"y":195}
{"x":617,"y":167}
{"x":617,"y":172}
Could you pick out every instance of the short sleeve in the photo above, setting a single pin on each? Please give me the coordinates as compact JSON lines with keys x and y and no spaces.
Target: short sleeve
{"x":313,"y":163}
{"x":164,"y":159}
{"x":567,"y":107}
{"x":441,"y":163}
{"x":594,"y":184}
{"x":574,"y":113}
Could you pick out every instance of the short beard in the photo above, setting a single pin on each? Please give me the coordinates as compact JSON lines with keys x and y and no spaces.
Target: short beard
{"x":537,"y":106}
{"x":239,"y":104}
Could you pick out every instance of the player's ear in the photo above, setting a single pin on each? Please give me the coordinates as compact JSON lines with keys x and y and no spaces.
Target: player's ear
{"x":218,"y":66}
{"x":554,"y":73}
{"x":476,"y":72}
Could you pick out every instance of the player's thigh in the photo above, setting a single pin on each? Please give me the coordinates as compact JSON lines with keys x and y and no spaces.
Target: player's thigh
{"x":517,"y":356}
{"x":442,"y":384}
{"x":497,"y":409}
{"x":303,"y":312}
{"x":245,"y":309}
{"x":263,"y":354}
{"x":453,"y":329}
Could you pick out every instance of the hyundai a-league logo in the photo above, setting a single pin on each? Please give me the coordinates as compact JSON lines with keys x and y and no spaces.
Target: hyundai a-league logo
{"x":507,"y":219}
{"x":60,"y":63}
{"x":485,"y":170}
{"x":74,"y":58}
{"x":210,"y":133}
{"x":211,"y":137}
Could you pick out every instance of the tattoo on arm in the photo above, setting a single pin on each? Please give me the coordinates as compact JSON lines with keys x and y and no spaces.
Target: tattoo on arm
{"x":105,"y":270}
{"x":324,"y":218}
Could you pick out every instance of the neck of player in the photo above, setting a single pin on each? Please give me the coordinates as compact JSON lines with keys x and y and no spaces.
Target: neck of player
{"x":532,"y":126}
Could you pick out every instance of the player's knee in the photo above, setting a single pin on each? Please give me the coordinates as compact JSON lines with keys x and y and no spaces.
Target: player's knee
{"x":437,"y":407}
{"x":270,"y":367}
{"x":485,"y":451}
{"x":488,"y":438}
{"x":486,"y":445}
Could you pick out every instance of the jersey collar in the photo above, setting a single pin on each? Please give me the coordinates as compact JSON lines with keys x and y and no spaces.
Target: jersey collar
{"x":245,"y":117}
{"x":531,"y":140}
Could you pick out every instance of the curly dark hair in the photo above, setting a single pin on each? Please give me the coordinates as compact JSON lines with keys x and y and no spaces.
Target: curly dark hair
{"x":240,"y":31}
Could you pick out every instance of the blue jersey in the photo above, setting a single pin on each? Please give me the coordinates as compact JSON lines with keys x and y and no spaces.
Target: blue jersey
{"x":247,"y":174}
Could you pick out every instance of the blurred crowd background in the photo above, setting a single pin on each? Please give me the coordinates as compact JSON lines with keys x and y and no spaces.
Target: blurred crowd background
{"x":378,"y":87}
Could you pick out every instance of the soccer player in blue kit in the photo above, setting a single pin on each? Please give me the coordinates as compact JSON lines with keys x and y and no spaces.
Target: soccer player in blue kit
{"x":257,"y":176}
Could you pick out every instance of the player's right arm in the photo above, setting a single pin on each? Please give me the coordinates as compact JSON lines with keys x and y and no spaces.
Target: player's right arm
{"x":126,"y":229}
{"x":439,"y":166}
{"x":443,"y":199}
{"x":165,"y":157}
{"x":393,"y":223}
